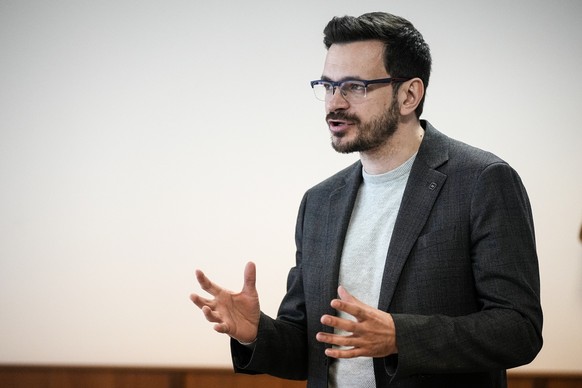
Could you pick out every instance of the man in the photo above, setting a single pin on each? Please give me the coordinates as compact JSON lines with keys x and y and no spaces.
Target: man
{"x":415,"y":266}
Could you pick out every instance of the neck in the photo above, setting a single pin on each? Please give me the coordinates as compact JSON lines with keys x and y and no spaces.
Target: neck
{"x":396,"y":150}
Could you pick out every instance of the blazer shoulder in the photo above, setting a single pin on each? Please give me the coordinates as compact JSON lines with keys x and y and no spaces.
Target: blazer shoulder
{"x":462,"y":154}
{"x":450,"y":154}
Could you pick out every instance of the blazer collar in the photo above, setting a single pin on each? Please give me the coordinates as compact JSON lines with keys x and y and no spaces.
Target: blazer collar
{"x":434,"y":149}
{"x":422,"y":190}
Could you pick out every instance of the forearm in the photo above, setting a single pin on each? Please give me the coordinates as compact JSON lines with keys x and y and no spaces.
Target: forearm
{"x":487,"y":340}
{"x":280,"y":350}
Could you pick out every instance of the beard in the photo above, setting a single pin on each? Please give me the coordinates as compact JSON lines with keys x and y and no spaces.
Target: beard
{"x":369,"y":135}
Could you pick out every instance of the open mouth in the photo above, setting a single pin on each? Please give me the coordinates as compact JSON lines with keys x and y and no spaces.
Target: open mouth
{"x":338,"y":126}
{"x":337,"y":123}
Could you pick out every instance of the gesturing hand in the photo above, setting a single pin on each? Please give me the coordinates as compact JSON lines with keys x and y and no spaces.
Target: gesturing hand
{"x":235,"y":314}
{"x":371,"y":335}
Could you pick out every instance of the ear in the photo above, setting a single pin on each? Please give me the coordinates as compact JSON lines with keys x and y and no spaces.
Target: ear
{"x":410,"y":94}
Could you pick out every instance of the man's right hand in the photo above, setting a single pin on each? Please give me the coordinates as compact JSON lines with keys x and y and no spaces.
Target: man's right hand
{"x":235,"y":314}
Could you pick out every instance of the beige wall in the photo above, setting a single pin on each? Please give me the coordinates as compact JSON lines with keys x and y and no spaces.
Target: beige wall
{"x":142,"y":140}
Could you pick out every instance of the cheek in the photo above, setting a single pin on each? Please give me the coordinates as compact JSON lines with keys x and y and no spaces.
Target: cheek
{"x":378,"y":110}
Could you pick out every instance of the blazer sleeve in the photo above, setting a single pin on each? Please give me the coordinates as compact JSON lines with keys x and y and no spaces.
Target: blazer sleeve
{"x":506,"y":329}
{"x":277,"y":351}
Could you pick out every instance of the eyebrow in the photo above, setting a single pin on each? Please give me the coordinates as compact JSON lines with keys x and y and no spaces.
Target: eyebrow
{"x":343,"y":79}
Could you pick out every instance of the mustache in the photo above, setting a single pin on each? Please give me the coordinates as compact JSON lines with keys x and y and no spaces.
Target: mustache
{"x":342,"y":116}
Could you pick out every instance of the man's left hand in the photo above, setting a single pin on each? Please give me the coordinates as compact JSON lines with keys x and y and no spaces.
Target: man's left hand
{"x":372,"y":334}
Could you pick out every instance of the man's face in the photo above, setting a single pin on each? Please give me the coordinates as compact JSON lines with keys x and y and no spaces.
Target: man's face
{"x":365,"y":125}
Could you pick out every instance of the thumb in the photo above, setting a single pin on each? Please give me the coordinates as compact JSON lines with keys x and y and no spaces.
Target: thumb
{"x":250,"y":278}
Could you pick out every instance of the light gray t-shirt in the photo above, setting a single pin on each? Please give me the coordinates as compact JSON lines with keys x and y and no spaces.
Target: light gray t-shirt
{"x":364,"y":256}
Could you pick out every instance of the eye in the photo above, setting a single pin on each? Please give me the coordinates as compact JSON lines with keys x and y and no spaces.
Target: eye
{"x":354,"y":86}
{"x":328,"y":86}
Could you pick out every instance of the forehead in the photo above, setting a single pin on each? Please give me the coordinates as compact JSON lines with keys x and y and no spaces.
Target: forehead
{"x":363,"y":60}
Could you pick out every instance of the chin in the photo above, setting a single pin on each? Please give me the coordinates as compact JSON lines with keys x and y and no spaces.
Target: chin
{"x":343,"y":146}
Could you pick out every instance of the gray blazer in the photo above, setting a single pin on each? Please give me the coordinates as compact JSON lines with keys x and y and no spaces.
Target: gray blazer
{"x":461,"y":277}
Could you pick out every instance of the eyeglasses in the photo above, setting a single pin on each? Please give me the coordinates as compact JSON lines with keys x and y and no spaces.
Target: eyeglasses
{"x":352,"y":90}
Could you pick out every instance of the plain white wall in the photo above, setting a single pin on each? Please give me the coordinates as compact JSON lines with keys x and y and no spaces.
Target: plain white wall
{"x":140,"y":140}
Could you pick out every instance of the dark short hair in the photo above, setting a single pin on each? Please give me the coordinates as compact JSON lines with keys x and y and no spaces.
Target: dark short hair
{"x":406,"y":54}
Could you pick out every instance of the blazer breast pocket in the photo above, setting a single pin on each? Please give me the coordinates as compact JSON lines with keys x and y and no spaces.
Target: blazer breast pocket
{"x":438,"y":237}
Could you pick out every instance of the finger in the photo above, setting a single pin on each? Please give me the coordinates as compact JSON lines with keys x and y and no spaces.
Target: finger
{"x":206,"y":284}
{"x":353,"y":309}
{"x":250,"y":278}
{"x":211,"y":316}
{"x":199,"y":301}
{"x":222,"y":328}
{"x":339,"y":323}
{"x":345,"y":295}
{"x":334,"y":339}
{"x":344,"y":353}
{"x":349,"y":304}
{"x":343,"y":346}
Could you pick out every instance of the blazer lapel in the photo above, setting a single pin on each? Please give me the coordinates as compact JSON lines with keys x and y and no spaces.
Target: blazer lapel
{"x":341,"y":204}
{"x":422,"y":189}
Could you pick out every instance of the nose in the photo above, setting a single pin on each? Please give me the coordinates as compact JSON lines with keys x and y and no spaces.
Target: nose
{"x":336,"y":101}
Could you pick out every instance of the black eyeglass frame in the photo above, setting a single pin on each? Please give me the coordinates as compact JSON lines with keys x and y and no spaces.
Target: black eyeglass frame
{"x":338,"y":84}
